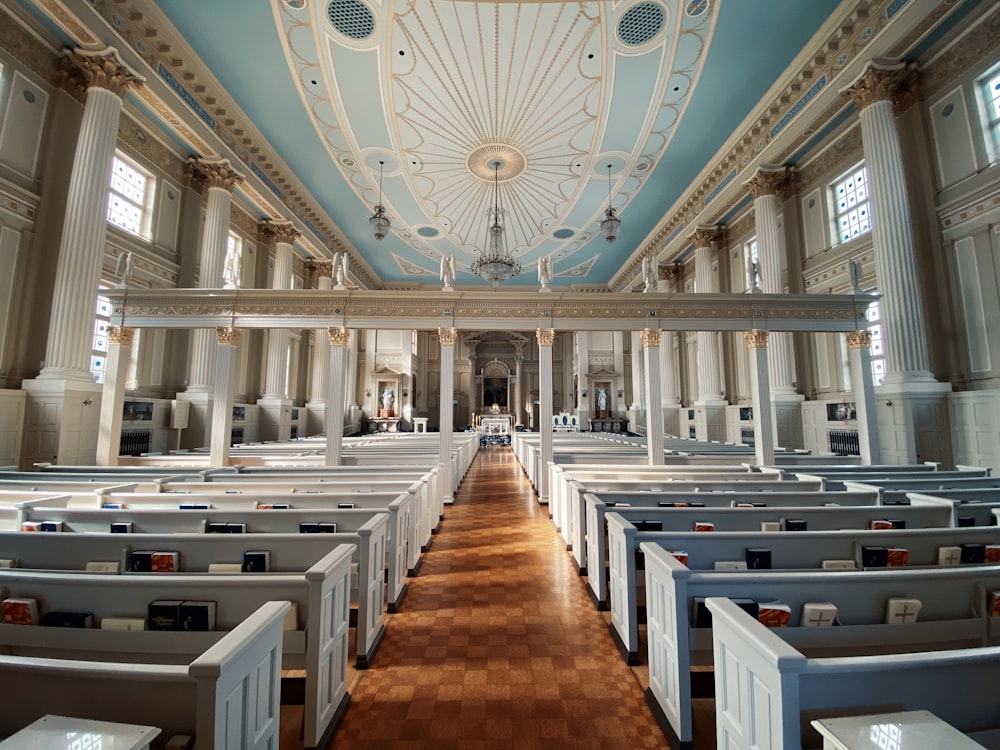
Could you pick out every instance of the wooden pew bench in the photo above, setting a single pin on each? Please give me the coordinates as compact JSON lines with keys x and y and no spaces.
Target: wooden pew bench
{"x":730,"y":519}
{"x":790,"y":550}
{"x":226,"y":696}
{"x":766,"y":689}
{"x":893,"y":489}
{"x":289,"y":553}
{"x":953,"y":616}
{"x":317,"y":642}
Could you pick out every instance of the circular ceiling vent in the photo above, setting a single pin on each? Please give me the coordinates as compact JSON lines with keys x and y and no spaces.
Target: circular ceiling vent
{"x":640,"y":23}
{"x":352,"y":18}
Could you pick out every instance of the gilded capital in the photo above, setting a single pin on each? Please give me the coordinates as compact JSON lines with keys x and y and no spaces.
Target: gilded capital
{"x":230,"y":336}
{"x":705,"y":236}
{"x":756,"y":339}
{"x":213,"y":174}
{"x":859,"y":339}
{"x":767,"y":181}
{"x":545,"y":336}
{"x":447,"y":336}
{"x":884,"y":81}
{"x":282,"y":232}
{"x":339,"y":336}
{"x":120,"y":335}
{"x":319,"y":268}
{"x":102,"y":70}
{"x":650,"y":337}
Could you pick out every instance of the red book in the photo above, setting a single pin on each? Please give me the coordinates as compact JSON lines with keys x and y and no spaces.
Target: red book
{"x":774,"y":614}
{"x":20,"y":611}
{"x":164,"y":562}
{"x":704,"y":526}
{"x":993,"y":604}
{"x":898,"y":557}
{"x":992,"y":553}
{"x":680,"y":555}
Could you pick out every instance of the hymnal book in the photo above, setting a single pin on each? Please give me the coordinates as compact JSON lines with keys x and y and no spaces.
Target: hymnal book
{"x":898,"y":523}
{"x":140,"y":561}
{"x":365,"y":489}
{"x":225,"y":567}
{"x":51,"y":526}
{"x":704,"y":526}
{"x":8,"y":562}
{"x":702,"y":617}
{"x":770,"y":525}
{"x":121,"y":527}
{"x":236,"y":528}
{"x":874,"y":557}
{"x":19,"y":610}
{"x":196,"y":615}
{"x":216,"y":527}
{"x":165,"y":614}
{"x":774,"y":614}
{"x":680,"y":555}
{"x":327,"y":527}
{"x":897,"y":557}
{"x":992,"y":554}
{"x":233,"y":492}
{"x":878,"y":524}
{"x":113,"y":506}
{"x":973,"y":552}
{"x":730,"y":565}
{"x":194,"y":506}
{"x":351,"y":505}
{"x":273,"y":506}
{"x":123,"y":623}
{"x":308,"y":527}
{"x":818,"y":614}
{"x":67,"y":619}
{"x":839,"y":565}
{"x":794,"y":524}
{"x":164,"y":562}
{"x":31,"y":525}
{"x":256,"y":561}
{"x":103,"y":566}
{"x":993,"y":604}
{"x":902,"y":611}
{"x":965,"y":521}
{"x":949,"y":555}
{"x":758,"y":558}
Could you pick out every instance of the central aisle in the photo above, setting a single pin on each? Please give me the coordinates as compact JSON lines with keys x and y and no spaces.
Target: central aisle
{"x":497,"y":644}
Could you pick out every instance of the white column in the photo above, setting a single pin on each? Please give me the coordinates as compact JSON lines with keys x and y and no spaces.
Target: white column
{"x":81,"y":248}
{"x":113,"y":395}
{"x":709,"y":387}
{"x":339,"y":338}
{"x":763,"y":429}
{"x":446,"y":419}
{"x":517,"y":406}
{"x":319,"y":382}
{"x":276,"y":374}
{"x":545,"y":338}
{"x":226,"y":363}
{"x":636,"y":409}
{"x":858,"y":351}
{"x":654,"y":414}
{"x":582,"y":370}
{"x":218,"y":180}
{"x":903,"y":329}
{"x":669,"y":407}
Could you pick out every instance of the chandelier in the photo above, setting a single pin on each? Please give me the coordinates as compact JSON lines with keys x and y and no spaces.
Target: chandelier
{"x":611,"y":223}
{"x":379,"y":222}
{"x":495,"y":264}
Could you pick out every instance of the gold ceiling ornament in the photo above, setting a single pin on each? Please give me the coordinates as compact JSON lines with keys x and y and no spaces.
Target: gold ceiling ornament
{"x":756,"y":338}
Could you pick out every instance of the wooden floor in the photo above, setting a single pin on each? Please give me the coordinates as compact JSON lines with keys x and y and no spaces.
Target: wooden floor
{"x":497,"y":644}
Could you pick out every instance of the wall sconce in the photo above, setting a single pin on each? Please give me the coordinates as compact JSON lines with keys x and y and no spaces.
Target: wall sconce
{"x":88,"y":401}
{"x":583,"y":394}
{"x":368,"y":391}
{"x":621,"y":393}
{"x":406,"y":392}
{"x":888,"y":403}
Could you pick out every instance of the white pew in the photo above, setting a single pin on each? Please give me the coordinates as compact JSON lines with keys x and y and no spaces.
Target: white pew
{"x":765,"y":688}
{"x":226,"y":697}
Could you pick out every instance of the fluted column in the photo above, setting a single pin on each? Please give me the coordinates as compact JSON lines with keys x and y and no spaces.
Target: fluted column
{"x":276,"y":373}
{"x":218,"y":179}
{"x":320,"y":380}
{"x":226,"y":362}
{"x":545,"y":338}
{"x":859,"y":354}
{"x":446,"y":418}
{"x":339,"y":339}
{"x":518,"y":406}
{"x":81,"y":248}
{"x":709,"y":387}
{"x":669,"y":406}
{"x":763,"y":429}
{"x":654,"y":418}
{"x":765,"y":187}
{"x":637,"y":410}
{"x":903,"y":329}
{"x":113,"y":395}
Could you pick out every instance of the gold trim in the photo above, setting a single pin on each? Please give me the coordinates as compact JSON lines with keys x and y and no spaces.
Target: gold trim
{"x":281,"y":232}
{"x":103,"y":70}
{"x":767,"y":181}
{"x":884,"y":81}
{"x":650,"y":337}
{"x":859,"y":339}
{"x":339,"y":336}
{"x":213,"y":174}
{"x":756,"y":338}
{"x":705,"y":236}
{"x":230,"y":336}
{"x":120,"y":335}
{"x":545,"y":336}
{"x":447,"y":336}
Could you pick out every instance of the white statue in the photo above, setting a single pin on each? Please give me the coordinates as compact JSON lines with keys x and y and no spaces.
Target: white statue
{"x":123,"y":270}
{"x":648,"y":274}
{"x":755,"y":277}
{"x":388,"y":396}
{"x":855,"y":270}
{"x":447,"y":272}
{"x":340,"y":265}
{"x":602,"y":399}
{"x":545,"y":273}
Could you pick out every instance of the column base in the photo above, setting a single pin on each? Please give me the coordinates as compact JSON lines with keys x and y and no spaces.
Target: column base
{"x":62,"y":421}
{"x":198,"y":433}
{"x":913,"y":422}
{"x":787,"y":411}
{"x":710,"y":419}
{"x":671,"y":420}
{"x":315,"y":418}
{"x":275,"y":418}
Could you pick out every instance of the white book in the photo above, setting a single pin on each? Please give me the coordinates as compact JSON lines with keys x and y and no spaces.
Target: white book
{"x":123,"y":623}
{"x":104,"y":566}
{"x":770,"y":525}
{"x":902,"y":611}
{"x":949,"y":555}
{"x":8,"y":562}
{"x":839,"y":565}
{"x":818,"y":614}
{"x":225,"y":567}
{"x":730,"y":565}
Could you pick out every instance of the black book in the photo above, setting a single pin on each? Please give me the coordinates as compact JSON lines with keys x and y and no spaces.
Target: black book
{"x":164,"y":614}
{"x":215,"y":527}
{"x":345,"y":505}
{"x":121,"y":527}
{"x":968,"y":520}
{"x":874,"y":557}
{"x":973,"y":552}
{"x":256,"y":561}
{"x":703,"y":617}
{"x":308,"y":527}
{"x":648,"y":525}
{"x":326,"y":527}
{"x":67,"y":619}
{"x":194,"y":506}
{"x":758,"y":558}
{"x":198,"y":616}
{"x":898,"y":523}
{"x":51,"y":526}
{"x":236,"y":528}
{"x":140,"y":562}
{"x":794,"y":524}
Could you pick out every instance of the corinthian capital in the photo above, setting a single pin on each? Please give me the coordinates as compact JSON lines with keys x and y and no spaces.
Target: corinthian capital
{"x":884,"y":80}
{"x":767,"y":181}
{"x":102,"y":70}
{"x":279,"y":231}
{"x":319,"y":268}
{"x":213,"y":174}
{"x":705,"y":235}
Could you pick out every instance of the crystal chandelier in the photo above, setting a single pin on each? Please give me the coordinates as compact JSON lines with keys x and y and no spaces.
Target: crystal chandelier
{"x":379,"y":222}
{"x":611,"y":223}
{"x":495,"y":264}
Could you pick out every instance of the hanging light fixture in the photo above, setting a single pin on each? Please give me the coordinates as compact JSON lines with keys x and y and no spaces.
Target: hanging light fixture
{"x":379,"y":222}
{"x":611,"y":223}
{"x":495,"y":264}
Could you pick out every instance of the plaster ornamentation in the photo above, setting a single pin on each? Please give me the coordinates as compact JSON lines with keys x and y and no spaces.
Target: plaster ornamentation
{"x":229,"y":336}
{"x":756,"y":338}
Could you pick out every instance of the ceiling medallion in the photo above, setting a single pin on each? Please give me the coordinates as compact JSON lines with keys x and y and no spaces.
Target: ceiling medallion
{"x":510,"y":162}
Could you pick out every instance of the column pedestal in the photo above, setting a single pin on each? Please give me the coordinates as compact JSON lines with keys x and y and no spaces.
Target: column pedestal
{"x":787,"y":410}
{"x":859,"y":356}
{"x":672,"y":420}
{"x":275,"y":418}
{"x":760,"y":389}
{"x":913,"y":423}
{"x":113,"y":395}
{"x":62,"y":419}
{"x":198,"y":433}
{"x":710,"y":419}
{"x":226,"y":351}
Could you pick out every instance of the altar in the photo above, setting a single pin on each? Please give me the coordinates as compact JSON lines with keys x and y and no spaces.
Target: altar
{"x":494,"y":429}
{"x":383,"y":424}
